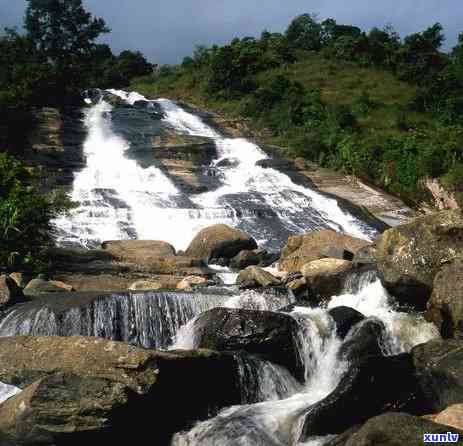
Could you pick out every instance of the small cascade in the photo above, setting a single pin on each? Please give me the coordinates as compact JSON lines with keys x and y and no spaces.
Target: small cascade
{"x":279,"y":422}
{"x":264,"y":381}
{"x":7,"y":391}
{"x":147,"y":319}
{"x":404,"y":330}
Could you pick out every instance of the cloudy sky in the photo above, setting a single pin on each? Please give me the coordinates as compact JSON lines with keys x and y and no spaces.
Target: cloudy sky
{"x":168,"y":30}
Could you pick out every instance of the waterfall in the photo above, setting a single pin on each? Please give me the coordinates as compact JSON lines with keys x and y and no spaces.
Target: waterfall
{"x":118,"y":198}
{"x":147,"y":319}
{"x":279,"y":423}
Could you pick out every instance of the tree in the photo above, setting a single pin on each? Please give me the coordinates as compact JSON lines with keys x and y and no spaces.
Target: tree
{"x":62,"y":29}
{"x":304,"y":32}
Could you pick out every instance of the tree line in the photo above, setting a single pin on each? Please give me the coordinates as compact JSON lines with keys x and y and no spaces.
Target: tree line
{"x":254,"y":74}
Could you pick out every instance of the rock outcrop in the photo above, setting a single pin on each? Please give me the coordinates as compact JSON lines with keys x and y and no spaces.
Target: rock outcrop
{"x":138,"y":251}
{"x":302,"y":249}
{"x":219,"y":242}
{"x":410,"y":256}
{"x":345,"y":318}
{"x":43,"y":286}
{"x":452,"y":416}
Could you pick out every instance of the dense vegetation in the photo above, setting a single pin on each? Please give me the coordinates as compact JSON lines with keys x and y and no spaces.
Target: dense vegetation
{"x":49,"y":65}
{"x":384,"y":108}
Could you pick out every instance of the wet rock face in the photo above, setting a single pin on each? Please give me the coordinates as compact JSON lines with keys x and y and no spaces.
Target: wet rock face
{"x":219,"y":241}
{"x":410,"y":256}
{"x":271,"y":335}
{"x":391,"y":429}
{"x":302,"y":249}
{"x":445,"y":308}
{"x":345,"y":318}
{"x":439,"y":373}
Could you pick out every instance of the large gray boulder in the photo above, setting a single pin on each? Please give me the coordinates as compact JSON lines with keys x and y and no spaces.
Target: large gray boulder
{"x":219,"y":242}
{"x":410,"y":256}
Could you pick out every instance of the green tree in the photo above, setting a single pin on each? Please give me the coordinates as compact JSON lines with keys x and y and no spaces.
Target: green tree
{"x":304,"y":32}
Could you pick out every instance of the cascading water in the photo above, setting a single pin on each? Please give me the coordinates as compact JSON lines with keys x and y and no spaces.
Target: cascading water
{"x":279,"y":423}
{"x":119,"y":199}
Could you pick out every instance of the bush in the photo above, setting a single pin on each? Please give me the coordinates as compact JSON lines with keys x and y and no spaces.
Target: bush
{"x":25,"y":216}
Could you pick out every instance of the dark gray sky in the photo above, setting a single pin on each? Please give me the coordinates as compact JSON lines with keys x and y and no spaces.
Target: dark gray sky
{"x":167,"y":30}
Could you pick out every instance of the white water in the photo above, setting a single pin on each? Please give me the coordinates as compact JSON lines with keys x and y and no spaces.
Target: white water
{"x":7,"y":391}
{"x":279,"y":423}
{"x":119,"y":199}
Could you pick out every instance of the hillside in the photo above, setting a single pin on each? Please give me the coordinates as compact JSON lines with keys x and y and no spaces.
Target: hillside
{"x":392,"y":123}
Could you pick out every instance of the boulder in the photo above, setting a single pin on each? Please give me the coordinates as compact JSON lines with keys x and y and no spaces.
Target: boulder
{"x":409,"y":256}
{"x":302,"y":249}
{"x":269,"y":334}
{"x":257,"y":257}
{"x":255,"y":277}
{"x":392,"y":429}
{"x":439,"y":373}
{"x":189,"y":282}
{"x":219,"y":241}
{"x":445,"y":308}
{"x":63,"y":405}
{"x":372,"y":386}
{"x":138,"y":251}
{"x":325,"y":277}
{"x":10,"y":292}
{"x":42,"y":286}
{"x":345,"y":318}
{"x":363,"y":340}
{"x":452,"y":416}
{"x":90,"y":389}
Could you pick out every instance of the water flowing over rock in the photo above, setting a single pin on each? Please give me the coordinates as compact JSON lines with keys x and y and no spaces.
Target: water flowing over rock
{"x":117,"y":203}
{"x":148,"y":319}
{"x":272,"y":335}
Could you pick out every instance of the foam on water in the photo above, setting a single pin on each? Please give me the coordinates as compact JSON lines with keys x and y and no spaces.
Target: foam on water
{"x":7,"y":391}
{"x":119,"y":199}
